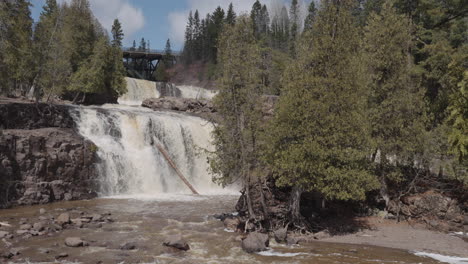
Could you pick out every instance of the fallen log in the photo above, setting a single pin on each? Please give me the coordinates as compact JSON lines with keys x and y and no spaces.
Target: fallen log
{"x":179,"y":173}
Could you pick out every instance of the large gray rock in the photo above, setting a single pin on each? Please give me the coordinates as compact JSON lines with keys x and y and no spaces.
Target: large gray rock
{"x":176,"y":241}
{"x":63,"y":219}
{"x":75,"y":242}
{"x":255,"y":242}
{"x":4,"y":234}
{"x":231,"y":223}
{"x":281,"y":235}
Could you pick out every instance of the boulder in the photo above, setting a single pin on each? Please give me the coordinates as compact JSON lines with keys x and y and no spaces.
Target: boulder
{"x":22,"y":232}
{"x":255,"y":242}
{"x":63,"y":219}
{"x":61,"y":255}
{"x":42,"y":211}
{"x":75,"y":242}
{"x":281,"y":235}
{"x":176,"y":241}
{"x":322,"y":235}
{"x":26,"y":227}
{"x":292,"y":240}
{"x":231,"y":223}
{"x":39,"y":226}
{"x":128,"y":246}
{"x":4,"y":234}
{"x":97,"y":218}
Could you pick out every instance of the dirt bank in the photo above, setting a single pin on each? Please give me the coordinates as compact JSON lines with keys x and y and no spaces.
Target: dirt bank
{"x":403,"y":235}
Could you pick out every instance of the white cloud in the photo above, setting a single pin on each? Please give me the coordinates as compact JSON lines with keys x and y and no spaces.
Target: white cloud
{"x":178,"y":19}
{"x":131,"y":17}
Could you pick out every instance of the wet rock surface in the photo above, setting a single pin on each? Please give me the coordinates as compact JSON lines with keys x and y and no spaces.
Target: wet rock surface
{"x":255,"y":242}
{"x":42,"y":157}
{"x":199,"y":107}
{"x":176,"y":241}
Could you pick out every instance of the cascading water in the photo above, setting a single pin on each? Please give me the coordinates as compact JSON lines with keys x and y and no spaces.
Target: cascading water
{"x":131,"y":164}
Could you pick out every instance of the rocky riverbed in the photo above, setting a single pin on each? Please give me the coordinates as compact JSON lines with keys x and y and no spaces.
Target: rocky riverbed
{"x":164,"y":229}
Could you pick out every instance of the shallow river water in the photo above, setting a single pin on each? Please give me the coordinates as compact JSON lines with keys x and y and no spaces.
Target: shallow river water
{"x":147,"y":221}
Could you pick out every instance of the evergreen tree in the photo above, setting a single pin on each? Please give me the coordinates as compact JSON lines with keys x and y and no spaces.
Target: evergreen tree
{"x":102,"y":72}
{"x":197,"y":37}
{"x":256,"y":17}
{"x":142,"y":46}
{"x":237,"y":101}
{"x":396,"y":102}
{"x":79,"y":32}
{"x":294,"y":20}
{"x":54,"y":67}
{"x":168,"y":57}
{"x":311,"y":13}
{"x":117,"y":34}
{"x":133,"y":45}
{"x":188,"y":42}
{"x":16,"y":45}
{"x":231,"y":15}
{"x":319,"y":139}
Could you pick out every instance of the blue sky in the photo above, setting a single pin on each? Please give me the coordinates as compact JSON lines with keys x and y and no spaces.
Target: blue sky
{"x":157,"y":20}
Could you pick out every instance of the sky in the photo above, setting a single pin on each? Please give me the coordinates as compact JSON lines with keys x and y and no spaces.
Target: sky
{"x":158,"y":20}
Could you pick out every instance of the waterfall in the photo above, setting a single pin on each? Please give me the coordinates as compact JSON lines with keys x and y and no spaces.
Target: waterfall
{"x":126,"y":138}
{"x":196,"y":92}
{"x":137,"y":91}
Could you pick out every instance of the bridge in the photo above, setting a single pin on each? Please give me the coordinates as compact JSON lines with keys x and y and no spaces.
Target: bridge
{"x":142,"y":64}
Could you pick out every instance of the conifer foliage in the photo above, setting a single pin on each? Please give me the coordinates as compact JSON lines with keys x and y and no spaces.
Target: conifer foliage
{"x":67,"y":53}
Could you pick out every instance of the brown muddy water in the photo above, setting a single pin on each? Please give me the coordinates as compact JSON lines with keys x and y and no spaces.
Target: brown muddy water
{"x":147,"y":221}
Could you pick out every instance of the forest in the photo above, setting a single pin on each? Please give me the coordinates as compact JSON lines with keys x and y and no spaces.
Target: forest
{"x":372,"y":98}
{"x":67,"y":53}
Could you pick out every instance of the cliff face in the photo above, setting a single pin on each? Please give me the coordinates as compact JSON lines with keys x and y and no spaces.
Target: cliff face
{"x":42,"y":158}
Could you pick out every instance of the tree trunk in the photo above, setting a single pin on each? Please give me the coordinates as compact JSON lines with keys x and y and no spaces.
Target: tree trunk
{"x":384,"y":188}
{"x":295,"y":205}
{"x":249,"y":200}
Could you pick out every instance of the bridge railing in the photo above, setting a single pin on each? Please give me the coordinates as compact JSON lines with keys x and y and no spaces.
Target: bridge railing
{"x":149,"y":51}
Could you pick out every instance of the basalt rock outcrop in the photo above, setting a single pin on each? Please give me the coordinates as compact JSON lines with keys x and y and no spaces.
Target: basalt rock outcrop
{"x":42,"y":158}
{"x":438,"y":211}
{"x":199,"y":107}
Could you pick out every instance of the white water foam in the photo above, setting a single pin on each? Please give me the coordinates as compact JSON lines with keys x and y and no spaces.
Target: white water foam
{"x":442,"y":258}
{"x":271,"y":253}
{"x":194,"y":92}
{"x":130,"y":162}
{"x":137,"y":91}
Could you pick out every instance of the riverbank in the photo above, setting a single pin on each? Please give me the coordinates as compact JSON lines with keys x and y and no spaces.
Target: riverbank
{"x":406,"y":236}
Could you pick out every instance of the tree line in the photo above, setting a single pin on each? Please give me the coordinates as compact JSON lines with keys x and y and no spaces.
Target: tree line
{"x":66,"y":53}
{"x":371,"y":93}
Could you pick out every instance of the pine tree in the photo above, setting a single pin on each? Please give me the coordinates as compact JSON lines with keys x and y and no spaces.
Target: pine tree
{"x":54,"y":67}
{"x":142,"y":46}
{"x":311,"y":13}
{"x":188,"y":42}
{"x":197,"y":37}
{"x":117,"y":34}
{"x":16,"y":46}
{"x":319,"y":138}
{"x":168,"y":57}
{"x":256,"y":17}
{"x":231,"y":15}
{"x":396,"y":102}
{"x":79,"y":33}
{"x":240,"y":89}
{"x":294,"y":20}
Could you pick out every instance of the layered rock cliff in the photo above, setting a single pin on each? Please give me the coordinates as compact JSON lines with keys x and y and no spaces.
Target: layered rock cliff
{"x":42,"y":158}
